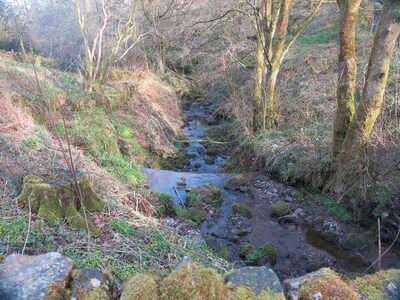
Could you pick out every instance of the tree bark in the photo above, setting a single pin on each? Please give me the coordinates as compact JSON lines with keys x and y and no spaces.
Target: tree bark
{"x":350,"y":162}
{"x":347,"y":72}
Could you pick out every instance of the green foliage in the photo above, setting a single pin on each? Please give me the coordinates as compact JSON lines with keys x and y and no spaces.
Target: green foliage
{"x":331,"y":206}
{"x":280,"y":208}
{"x":322,"y":36}
{"x":121,"y":226}
{"x":123,"y":169}
{"x":92,"y":130}
{"x":165,"y":203}
{"x":140,"y":287}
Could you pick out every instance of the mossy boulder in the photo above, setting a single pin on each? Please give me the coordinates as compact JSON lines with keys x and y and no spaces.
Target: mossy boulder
{"x":235,"y":183}
{"x":328,"y":285}
{"x":90,"y":284}
{"x":57,"y":202}
{"x":261,"y":256}
{"x":245,"y":293}
{"x":193,"y":281}
{"x":353,"y":242}
{"x":196,"y":215}
{"x":141,"y":287}
{"x":280,"y":209}
{"x":206,"y":194}
{"x":376,"y":286}
{"x":329,"y":236}
{"x":241,"y":210}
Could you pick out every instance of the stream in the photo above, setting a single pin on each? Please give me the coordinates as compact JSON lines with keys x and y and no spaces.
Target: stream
{"x":300,"y":247}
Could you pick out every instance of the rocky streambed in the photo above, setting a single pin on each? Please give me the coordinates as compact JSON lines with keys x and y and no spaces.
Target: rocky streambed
{"x":253,"y":220}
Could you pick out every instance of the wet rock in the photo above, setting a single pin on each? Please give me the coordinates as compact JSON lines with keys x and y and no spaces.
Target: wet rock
{"x":208,"y":194}
{"x":329,"y":236}
{"x":280,"y":208}
{"x":201,"y":150}
{"x":209,"y":160}
{"x":353,"y":242}
{"x":288,"y":219}
{"x":300,"y":213}
{"x":181,"y":182}
{"x":393,"y":291}
{"x":197,"y":165}
{"x":24,"y":277}
{"x":90,"y":284}
{"x":241,"y":210}
{"x":234,"y":183}
{"x":257,"y":278}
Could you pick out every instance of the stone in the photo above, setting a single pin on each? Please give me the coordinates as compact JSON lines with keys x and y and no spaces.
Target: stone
{"x":329,"y":236}
{"x":241,"y":210}
{"x":90,"y":284}
{"x":279,"y":209}
{"x":292,"y":285}
{"x":257,"y":278}
{"x":234,"y":183}
{"x":24,"y":277}
{"x":353,"y":242}
{"x":393,"y":290}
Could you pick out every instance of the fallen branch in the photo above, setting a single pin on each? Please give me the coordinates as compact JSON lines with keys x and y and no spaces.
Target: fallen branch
{"x":176,"y":192}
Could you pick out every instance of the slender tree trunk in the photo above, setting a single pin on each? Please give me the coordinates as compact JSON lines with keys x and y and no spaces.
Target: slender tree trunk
{"x":347,"y":72}
{"x":258,"y":115}
{"x":350,"y":162}
{"x":271,"y":116}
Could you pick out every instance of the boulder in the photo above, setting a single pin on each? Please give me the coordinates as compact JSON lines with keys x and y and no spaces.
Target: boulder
{"x":353,"y":242}
{"x":259,"y":279}
{"x":235,"y":183}
{"x":241,"y":210}
{"x":24,"y":277}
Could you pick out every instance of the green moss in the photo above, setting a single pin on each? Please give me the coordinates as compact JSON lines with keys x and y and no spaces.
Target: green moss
{"x":329,"y":284}
{"x":193,"y":281}
{"x":92,"y":130}
{"x":196,"y":215}
{"x":353,"y":242}
{"x":329,"y":236}
{"x":241,"y":210}
{"x":245,"y":249}
{"x":97,"y":294}
{"x":140,"y":287}
{"x":279,"y":209}
{"x":373,"y":287}
{"x":322,"y":36}
{"x":254,"y":257}
{"x":269,"y":253}
{"x":164,"y":204}
{"x":57,"y":203}
{"x":123,"y":169}
{"x":121,"y":227}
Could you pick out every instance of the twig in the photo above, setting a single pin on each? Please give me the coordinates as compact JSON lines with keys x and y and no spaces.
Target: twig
{"x":176,"y":192}
{"x":379,"y":244}
{"x":386,"y":251}
{"x":29,"y":224}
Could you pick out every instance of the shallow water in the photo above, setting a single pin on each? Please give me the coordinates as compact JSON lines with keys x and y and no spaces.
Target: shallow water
{"x":299,"y":245}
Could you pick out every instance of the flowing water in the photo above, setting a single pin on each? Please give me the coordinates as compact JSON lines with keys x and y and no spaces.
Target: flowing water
{"x":299,"y":244}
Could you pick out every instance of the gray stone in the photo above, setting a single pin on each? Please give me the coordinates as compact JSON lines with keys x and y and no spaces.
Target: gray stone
{"x":393,"y":290}
{"x":293,"y":284}
{"x":257,"y":278}
{"x":29,"y":277}
{"x":87,"y":281}
{"x":235,"y":183}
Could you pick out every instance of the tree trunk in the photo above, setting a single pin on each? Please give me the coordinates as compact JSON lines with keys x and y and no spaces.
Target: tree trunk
{"x":350,"y":162}
{"x":271,"y":116}
{"x":347,"y":72}
{"x":258,"y":115}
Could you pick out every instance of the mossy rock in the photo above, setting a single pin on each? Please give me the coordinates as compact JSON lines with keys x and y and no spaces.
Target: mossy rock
{"x":245,"y":249}
{"x":196,"y":215}
{"x":241,"y":210}
{"x":193,"y":281}
{"x":206,"y":194}
{"x":280,"y":209}
{"x":329,"y":284}
{"x":245,"y":293}
{"x":353,"y":243}
{"x":140,"y":287}
{"x":374,"y":286}
{"x":261,"y":256}
{"x":329,"y":236}
{"x":235,"y":183}
{"x":57,"y":202}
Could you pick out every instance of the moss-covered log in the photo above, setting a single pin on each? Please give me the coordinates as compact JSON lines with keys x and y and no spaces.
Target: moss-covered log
{"x":57,"y":202}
